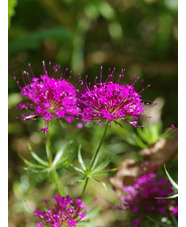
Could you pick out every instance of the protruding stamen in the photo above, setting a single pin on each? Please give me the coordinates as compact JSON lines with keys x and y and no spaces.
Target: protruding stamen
{"x":18,"y":84}
{"x":24,"y":73}
{"x":132,"y":79}
{"x":96,"y":80}
{"x":144,"y":89}
{"x":139,"y":85}
{"x":135,"y":80}
{"x":44,"y":68}
{"x":101,"y":73}
{"x":29,"y":65}
{"x":49,"y":68}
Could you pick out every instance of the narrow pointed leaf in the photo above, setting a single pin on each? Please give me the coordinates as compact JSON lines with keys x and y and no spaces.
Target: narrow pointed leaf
{"x":168,"y":197}
{"x":38,"y":159}
{"x":104,"y":172}
{"x":140,"y":142}
{"x":31,"y":169}
{"x":59,"y":158}
{"x":142,"y":134}
{"x":170,"y":179}
{"x":30,"y":163}
{"x":79,"y":170}
{"x":96,"y":179}
{"x":80,"y":158}
{"x":78,"y":181}
{"x":36,"y":170}
{"x":102,"y":165}
{"x":95,"y":161}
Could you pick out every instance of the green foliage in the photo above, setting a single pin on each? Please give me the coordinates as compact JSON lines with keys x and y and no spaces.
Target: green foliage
{"x":60,"y":160}
{"x":170,"y":179}
{"x":92,"y":173}
{"x":173,"y":184}
{"x":33,"y":40}
{"x":11,"y":10}
{"x":149,"y":134}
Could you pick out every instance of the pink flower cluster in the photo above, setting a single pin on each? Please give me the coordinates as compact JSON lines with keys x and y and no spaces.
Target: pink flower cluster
{"x":50,"y":95}
{"x":111,"y":101}
{"x":65,"y":212}
{"x":141,"y":197}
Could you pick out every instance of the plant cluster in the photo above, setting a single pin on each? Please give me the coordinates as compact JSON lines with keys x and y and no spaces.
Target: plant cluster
{"x":52,"y":97}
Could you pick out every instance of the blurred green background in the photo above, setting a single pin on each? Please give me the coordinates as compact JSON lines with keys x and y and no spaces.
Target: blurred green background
{"x":138,"y":35}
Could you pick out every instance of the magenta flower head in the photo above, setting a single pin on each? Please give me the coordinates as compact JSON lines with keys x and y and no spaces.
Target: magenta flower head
{"x":111,"y":101}
{"x":65,"y":212}
{"x":141,"y":198}
{"x":49,"y":96}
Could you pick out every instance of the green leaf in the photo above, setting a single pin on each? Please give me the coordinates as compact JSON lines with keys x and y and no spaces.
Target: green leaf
{"x":102,"y":165}
{"x":36,"y":170}
{"x":140,"y":142}
{"x":59,"y":157}
{"x":37,"y":158}
{"x":105,"y":172}
{"x":41,"y":161}
{"x":169,"y":197}
{"x":79,"y":181}
{"x":96,"y":179}
{"x":78,"y":170}
{"x":30,"y":163}
{"x":80,"y":158}
{"x":170,"y":179}
{"x":142,"y":134}
{"x":95,"y":161}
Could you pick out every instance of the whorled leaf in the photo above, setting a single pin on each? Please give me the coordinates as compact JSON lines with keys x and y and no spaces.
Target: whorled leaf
{"x":81,"y":162}
{"x":170,"y":179}
{"x":28,"y":163}
{"x":102,"y":165}
{"x":60,"y":156}
{"x":104,"y":172}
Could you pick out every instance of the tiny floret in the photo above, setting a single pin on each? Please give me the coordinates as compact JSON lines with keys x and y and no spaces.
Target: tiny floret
{"x":65,"y":212}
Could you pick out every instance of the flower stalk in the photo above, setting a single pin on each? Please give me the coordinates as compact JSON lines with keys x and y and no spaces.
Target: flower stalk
{"x":53,"y":171}
{"x":99,"y":146}
{"x":95,"y":157}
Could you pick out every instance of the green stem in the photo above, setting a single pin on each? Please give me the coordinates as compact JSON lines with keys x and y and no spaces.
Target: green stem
{"x":95,"y":158}
{"x":84,"y":188}
{"x":53,"y":171}
{"x":98,"y":148}
{"x":48,"y":150}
